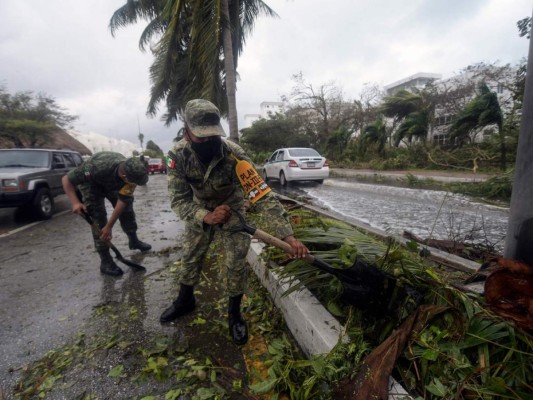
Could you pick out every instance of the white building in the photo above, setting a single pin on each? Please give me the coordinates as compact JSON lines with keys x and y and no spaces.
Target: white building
{"x":267,"y":108}
{"x":417,"y":81}
{"x":96,"y":142}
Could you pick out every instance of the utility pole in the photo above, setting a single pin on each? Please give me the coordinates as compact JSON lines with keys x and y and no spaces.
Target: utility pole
{"x":519,"y":239}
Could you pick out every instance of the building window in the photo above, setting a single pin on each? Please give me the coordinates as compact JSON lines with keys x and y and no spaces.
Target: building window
{"x":440,"y":140}
{"x":444,"y":120}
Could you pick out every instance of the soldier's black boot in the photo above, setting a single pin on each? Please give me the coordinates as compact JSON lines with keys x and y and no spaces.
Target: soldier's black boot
{"x":184,"y":304}
{"x":107,"y":265}
{"x":135,"y":243}
{"x":237,"y":326}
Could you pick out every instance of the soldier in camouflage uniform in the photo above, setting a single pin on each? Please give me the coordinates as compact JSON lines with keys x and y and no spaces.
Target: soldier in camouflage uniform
{"x":203,"y":187}
{"x":108,"y":175}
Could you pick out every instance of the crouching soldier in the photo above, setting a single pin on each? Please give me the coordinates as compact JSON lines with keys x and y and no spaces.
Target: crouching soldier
{"x":204,"y":188}
{"x":107,"y":175}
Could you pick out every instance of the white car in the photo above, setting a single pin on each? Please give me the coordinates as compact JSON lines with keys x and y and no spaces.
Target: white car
{"x":296,"y":164}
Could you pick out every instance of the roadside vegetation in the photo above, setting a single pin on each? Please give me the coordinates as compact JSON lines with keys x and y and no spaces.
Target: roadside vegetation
{"x":453,"y":345}
{"x":495,"y":190}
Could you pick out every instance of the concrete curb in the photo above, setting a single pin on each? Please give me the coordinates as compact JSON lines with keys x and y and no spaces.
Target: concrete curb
{"x":313,"y":327}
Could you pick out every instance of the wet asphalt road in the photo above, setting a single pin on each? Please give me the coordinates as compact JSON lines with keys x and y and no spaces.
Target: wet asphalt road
{"x":50,"y":281}
{"x":12,"y":219}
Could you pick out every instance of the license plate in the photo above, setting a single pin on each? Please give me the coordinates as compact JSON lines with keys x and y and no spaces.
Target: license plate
{"x":310,"y":165}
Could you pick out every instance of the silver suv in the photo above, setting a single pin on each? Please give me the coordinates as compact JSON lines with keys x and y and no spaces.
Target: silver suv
{"x":31,"y":178}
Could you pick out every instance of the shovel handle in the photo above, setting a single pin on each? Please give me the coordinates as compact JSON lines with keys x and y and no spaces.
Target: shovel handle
{"x":269,"y":239}
{"x":87,"y":217}
{"x":280,"y":244}
{"x":96,"y":228}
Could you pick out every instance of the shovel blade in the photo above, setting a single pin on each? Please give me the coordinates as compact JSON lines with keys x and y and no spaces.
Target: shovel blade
{"x":120,"y":258}
{"x":131,"y":264}
{"x":376,"y":293}
{"x":366,"y":286}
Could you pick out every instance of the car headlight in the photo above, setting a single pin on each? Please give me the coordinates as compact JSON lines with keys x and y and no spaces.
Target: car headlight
{"x":10,"y":183}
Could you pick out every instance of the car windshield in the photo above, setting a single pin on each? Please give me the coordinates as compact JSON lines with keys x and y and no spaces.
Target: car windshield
{"x":155,"y":161}
{"x":303,"y":153}
{"x":24,"y":159}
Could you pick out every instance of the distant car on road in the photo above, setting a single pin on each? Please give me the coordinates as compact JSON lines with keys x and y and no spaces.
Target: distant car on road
{"x":157,"y":165}
{"x":31,"y":178}
{"x":296,"y":164}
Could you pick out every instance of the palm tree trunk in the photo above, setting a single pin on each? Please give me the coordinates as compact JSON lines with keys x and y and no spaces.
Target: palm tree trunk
{"x":229,"y":67}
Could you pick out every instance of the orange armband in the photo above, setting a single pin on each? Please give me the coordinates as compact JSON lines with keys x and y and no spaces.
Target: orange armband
{"x":252,"y":183}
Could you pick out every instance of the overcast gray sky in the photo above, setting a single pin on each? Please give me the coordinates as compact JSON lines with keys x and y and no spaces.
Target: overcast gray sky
{"x":64,"y":48}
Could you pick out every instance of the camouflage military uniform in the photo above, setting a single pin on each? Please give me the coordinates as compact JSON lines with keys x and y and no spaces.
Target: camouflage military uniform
{"x":97,"y":180}
{"x":195,"y":190}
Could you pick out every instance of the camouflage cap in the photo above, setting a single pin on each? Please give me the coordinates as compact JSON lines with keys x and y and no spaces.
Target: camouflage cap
{"x":135,"y":171}
{"x":203,"y":118}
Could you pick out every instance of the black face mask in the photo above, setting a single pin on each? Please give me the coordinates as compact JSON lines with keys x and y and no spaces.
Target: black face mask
{"x":208,"y":149}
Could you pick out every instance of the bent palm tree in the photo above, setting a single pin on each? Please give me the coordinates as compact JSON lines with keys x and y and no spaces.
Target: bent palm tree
{"x":412,"y":111}
{"x":414,"y":126}
{"x":197,"y":53}
{"x":480,"y":112}
{"x":376,"y":133}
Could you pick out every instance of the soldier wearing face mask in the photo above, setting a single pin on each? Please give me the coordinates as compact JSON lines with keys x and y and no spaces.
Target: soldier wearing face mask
{"x":203,"y":188}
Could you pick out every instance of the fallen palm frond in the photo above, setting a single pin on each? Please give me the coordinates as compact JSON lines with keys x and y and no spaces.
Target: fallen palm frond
{"x":464,"y":352}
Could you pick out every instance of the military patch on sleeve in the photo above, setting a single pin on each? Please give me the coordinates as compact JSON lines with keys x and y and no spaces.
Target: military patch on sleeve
{"x":171,"y":163}
{"x":127,"y":189}
{"x":87,"y":173}
{"x":171,"y":160}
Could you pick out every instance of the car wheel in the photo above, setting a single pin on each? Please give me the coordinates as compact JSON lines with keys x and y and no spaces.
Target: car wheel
{"x":265,"y":176}
{"x":43,"y":204}
{"x":282,"y":179}
{"x":320,"y":181}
